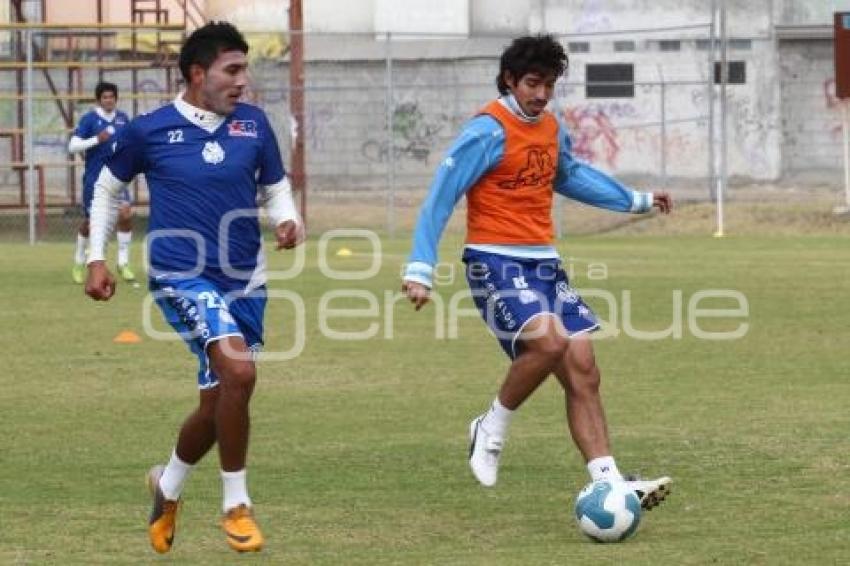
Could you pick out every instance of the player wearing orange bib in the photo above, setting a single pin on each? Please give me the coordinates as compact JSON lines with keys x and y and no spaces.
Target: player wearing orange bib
{"x":508,"y":161}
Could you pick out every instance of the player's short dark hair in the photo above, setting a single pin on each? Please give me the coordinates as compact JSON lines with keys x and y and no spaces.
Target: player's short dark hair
{"x":531,"y":54}
{"x":207,"y":42}
{"x":104,"y":86}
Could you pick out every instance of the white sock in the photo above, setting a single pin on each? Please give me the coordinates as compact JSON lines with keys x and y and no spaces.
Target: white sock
{"x":174,"y":477}
{"x":82,"y":244}
{"x":235,"y":489}
{"x":124,"y":239}
{"x":603,"y":468}
{"x":497,"y":420}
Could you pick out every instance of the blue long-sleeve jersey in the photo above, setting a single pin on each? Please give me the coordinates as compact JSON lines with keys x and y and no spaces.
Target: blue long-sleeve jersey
{"x":477,"y":150}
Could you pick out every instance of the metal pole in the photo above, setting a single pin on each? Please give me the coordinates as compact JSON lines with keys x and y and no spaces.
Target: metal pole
{"x":390,"y":143}
{"x":100,"y":40}
{"x":296,"y":103}
{"x":29,"y":137}
{"x":663,"y":132}
{"x":710,"y":98}
{"x":845,"y":127}
{"x":724,"y":78}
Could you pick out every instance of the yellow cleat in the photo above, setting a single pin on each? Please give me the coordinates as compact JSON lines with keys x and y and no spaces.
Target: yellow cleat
{"x":163,"y":520}
{"x":242,"y":531}
{"x":78,"y":273}
{"x":126,"y":273}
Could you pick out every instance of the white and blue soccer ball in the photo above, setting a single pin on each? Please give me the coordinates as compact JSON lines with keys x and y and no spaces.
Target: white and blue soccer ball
{"x":607,"y":511}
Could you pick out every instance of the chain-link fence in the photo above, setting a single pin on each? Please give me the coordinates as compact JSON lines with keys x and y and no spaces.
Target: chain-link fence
{"x":380,"y":110}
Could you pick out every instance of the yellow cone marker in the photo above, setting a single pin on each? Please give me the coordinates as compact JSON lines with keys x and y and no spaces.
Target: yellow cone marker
{"x":127,"y":337}
{"x":344,"y":252}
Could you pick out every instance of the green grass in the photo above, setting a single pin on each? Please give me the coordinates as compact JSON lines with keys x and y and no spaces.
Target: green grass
{"x":358,"y":450}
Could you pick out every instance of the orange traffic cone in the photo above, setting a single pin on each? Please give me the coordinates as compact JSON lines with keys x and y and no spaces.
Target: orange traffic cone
{"x":127,"y":337}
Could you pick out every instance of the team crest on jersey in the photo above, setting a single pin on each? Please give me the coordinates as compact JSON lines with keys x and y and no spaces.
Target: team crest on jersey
{"x":213,"y":153}
{"x":243,"y":128}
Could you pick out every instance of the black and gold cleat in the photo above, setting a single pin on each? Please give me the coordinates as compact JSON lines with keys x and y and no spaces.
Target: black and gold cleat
{"x":650,"y":492}
{"x":163,"y":520}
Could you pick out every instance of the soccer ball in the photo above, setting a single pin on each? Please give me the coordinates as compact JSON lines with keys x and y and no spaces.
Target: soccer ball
{"x":607,"y":511}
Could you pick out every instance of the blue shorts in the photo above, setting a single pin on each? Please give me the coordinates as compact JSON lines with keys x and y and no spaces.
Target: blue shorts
{"x":202,"y":313}
{"x":124,"y":197}
{"x":510,"y":291}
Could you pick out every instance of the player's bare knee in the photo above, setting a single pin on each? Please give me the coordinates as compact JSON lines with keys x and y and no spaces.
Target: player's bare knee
{"x":239,"y":376}
{"x":552,"y":345}
{"x":584,"y":363}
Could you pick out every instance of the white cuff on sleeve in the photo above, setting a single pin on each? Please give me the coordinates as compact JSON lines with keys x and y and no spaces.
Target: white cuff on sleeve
{"x":419,"y":272}
{"x":278,"y":201}
{"x":641,"y":202}
{"x":77,"y":145}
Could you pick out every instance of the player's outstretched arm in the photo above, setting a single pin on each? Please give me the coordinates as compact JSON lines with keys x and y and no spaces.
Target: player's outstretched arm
{"x":100,"y":284}
{"x":475,"y":151}
{"x":418,"y":293}
{"x":584,"y":183}
{"x":79,"y":145}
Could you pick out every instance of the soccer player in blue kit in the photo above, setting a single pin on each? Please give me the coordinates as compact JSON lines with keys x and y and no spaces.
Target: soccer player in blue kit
{"x":94,"y":136}
{"x":208,"y":160}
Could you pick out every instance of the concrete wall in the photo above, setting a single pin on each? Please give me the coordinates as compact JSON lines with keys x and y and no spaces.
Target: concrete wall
{"x":811,"y":114}
{"x":505,"y":16}
{"x":620,"y":135}
{"x":811,"y":12}
{"x":811,"y":118}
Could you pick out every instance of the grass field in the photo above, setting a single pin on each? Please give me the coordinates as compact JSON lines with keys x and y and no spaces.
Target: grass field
{"x":358,"y":451}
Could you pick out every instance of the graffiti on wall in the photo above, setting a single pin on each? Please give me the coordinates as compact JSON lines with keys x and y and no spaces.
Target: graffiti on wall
{"x":619,"y":134}
{"x":414,"y":136}
{"x":594,"y":136}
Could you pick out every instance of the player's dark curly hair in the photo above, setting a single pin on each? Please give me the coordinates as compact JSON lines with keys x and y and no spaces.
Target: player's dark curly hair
{"x":531,"y":54}
{"x":205,"y":44}
{"x":104,"y":86}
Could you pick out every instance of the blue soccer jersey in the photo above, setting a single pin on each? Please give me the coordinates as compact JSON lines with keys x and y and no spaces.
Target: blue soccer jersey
{"x":203,"y":191}
{"x":91,"y":124}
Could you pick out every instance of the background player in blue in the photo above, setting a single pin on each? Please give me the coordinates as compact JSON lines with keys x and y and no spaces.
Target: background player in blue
{"x":508,"y":161}
{"x":95,"y":137}
{"x":208,"y":161}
